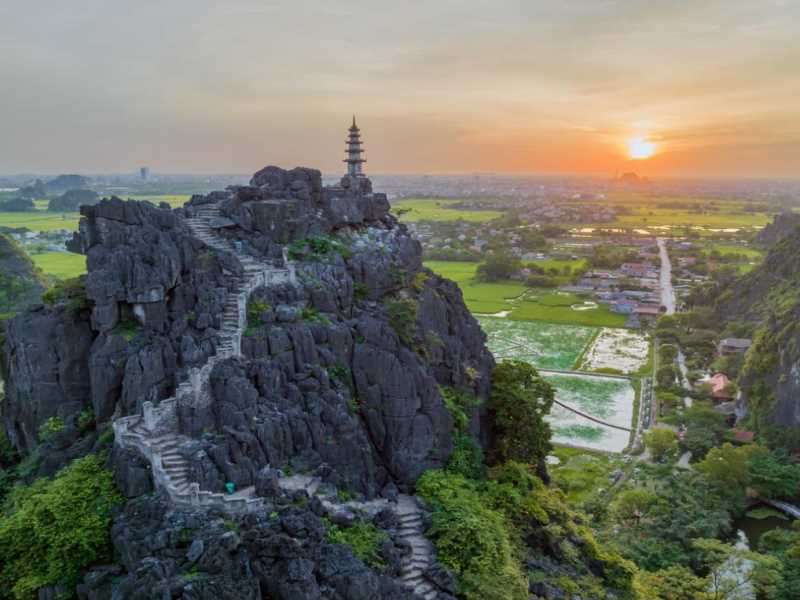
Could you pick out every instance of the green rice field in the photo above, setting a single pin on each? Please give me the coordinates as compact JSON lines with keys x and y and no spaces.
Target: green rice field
{"x":64,"y":265}
{"x":40,"y":220}
{"x":480,"y":297}
{"x":523,"y":303}
{"x":433,"y":209}
{"x":545,"y":345}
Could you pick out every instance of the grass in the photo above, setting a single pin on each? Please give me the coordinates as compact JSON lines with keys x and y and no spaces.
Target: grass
{"x":525,"y":303}
{"x":433,"y":209}
{"x":556,"y":307}
{"x":480,"y":297}
{"x":40,"y":220}
{"x":64,"y":265}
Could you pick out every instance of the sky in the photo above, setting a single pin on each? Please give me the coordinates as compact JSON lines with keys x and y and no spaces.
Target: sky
{"x":438,"y":86}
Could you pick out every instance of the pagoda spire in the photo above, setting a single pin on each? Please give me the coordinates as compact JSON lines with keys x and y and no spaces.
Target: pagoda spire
{"x":354,"y":151}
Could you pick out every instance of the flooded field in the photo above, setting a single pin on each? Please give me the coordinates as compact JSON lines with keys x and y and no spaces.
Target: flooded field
{"x":604,"y":398}
{"x":545,"y":345}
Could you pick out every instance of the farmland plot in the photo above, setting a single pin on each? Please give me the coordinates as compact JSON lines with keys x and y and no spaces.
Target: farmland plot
{"x":605,"y":398}
{"x":545,"y":345}
{"x":620,"y":349}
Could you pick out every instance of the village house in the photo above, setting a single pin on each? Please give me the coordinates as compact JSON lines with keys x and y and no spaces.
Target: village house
{"x":730,"y":346}
{"x":635,"y":269}
{"x":720,"y":388}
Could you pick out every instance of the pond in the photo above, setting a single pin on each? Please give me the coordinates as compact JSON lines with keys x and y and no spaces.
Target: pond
{"x":754,"y":527}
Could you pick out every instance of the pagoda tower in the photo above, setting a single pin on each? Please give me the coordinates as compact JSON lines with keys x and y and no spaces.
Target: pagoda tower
{"x":354,"y":151}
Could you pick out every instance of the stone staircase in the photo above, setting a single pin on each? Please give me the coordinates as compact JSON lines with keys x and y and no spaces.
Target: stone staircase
{"x":155,"y":433}
{"x":422,"y":556}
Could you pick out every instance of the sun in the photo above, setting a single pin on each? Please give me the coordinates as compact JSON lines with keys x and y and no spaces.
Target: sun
{"x":640,"y":148}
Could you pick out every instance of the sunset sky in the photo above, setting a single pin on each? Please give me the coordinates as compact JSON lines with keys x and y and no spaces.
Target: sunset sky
{"x":438,"y":86}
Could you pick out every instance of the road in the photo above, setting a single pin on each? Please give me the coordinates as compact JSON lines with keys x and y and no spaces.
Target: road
{"x":667,"y":293}
{"x":668,"y":301}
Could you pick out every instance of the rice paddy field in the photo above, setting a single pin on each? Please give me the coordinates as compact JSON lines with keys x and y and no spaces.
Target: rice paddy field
{"x":544,"y":345}
{"x":480,"y":297}
{"x":40,"y":220}
{"x":622,"y":350}
{"x":516,"y":301}
{"x":63,"y":265}
{"x":434,"y":209}
{"x":605,"y":398}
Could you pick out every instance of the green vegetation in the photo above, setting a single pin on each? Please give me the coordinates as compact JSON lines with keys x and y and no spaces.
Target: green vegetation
{"x":430,"y":209}
{"x":63,"y":265}
{"x":71,"y":292}
{"x":403,"y":318}
{"x":484,"y":529}
{"x":52,"y":529}
{"x":39,"y":220}
{"x":545,"y":345}
{"x":363,"y":538}
{"x":51,"y":427}
{"x":519,"y":400}
{"x":479,"y":297}
{"x":563,"y":307}
{"x":661,"y":442}
{"x":317,"y":248}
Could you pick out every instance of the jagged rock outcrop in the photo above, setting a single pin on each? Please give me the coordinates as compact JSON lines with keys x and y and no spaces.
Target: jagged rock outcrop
{"x":281,"y":555}
{"x":20,"y":281}
{"x":330,"y":370}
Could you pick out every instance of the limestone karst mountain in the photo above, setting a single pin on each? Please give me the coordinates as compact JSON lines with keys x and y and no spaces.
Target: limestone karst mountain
{"x":264,"y":342}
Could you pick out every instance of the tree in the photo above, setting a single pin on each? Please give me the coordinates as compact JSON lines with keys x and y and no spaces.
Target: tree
{"x":772,"y":477}
{"x":72,"y":200}
{"x":498,"y":267}
{"x":519,"y":400}
{"x":631,"y":506}
{"x":727,"y":466}
{"x":734,"y":570}
{"x":19,"y":204}
{"x":666,"y":376}
{"x":672,"y":583}
{"x":661,"y":442}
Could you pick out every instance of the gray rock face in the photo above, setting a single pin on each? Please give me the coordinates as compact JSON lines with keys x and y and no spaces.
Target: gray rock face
{"x":156,"y":295}
{"x":167,"y":553}
{"x":46,"y":355}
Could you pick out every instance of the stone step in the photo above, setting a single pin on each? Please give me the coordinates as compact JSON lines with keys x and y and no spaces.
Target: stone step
{"x":411,"y":574}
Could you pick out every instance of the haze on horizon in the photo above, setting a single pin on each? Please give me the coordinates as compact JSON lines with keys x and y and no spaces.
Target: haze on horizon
{"x":448,"y":86}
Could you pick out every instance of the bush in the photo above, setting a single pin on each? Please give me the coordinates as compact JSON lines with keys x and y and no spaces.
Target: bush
{"x":472,"y":539}
{"x":403,"y":318}
{"x":255,"y":309}
{"x":52,"y":529}
{"x":51,"y":427}
{"x":364,"y":539}
{"x":71,"y":292}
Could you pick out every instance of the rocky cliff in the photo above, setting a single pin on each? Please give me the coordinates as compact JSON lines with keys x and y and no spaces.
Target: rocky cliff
{"x":768,"y":298}
{"x":21,"y":282}
{"x":328,"y":379}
